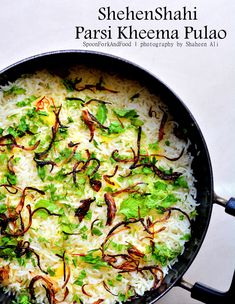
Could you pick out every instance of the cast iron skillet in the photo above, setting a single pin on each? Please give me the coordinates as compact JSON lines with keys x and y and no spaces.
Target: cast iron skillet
{"x":59,"y":62}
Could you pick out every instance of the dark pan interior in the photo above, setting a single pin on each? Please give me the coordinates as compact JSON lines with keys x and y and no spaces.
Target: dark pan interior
{"x":59,"y":62}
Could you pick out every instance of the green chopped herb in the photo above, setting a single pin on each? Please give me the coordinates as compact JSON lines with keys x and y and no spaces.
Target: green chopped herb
{"x":70,"y":84}
{"x":110,"y":283}
{"x":12,"y":131}
{"x":43,"y":113}
{"x":41,"y":172}
{"x":146,"y":170}
{"x":83,"y":229}
{"x":163,"y":254}
{"x":51,"y":271}
{"x":14,"y":90}
{"x":108,"y":189}
{"x":95,"y":261}
{"x":78,"y":156}
{"x":16,"y":160}
{"x":118,"y":247}
{"x":70,"y":119}
{"x":137,"y":122}
{"x":6,"y":240}
{"x":3,"y":158}
{"x":31,"y":113}
{"x":181,"y":182}
{"x":76,"y":299}
{"x":96,"y":144}
{"x":11,"y":178}
{"x":65,"y":153}
{"x":115,"y":128}
{"x":193,"y":214}
{"x":170,"y":200}
{"x":181,"y":217}
{"x":23,"y":126}
{"x":153,"y":146}
{"x":119,"y":277}
{"x":3,"y":208}
{"x":101,"y":114}
{"x":186,"y":237}
{"x":1,"y":131}
{"x":75,"y":261}
{"x":88,"y":216}
{"x":2,"y":196}
{"x":33,"y":262}
{"x":60,"y":175}
{"x":43,"y":240}
{"x":21,"y":261}
{"x":97,"y":232}
{"x":122,"y":297}
{"x":125,"y":113}
{"x":160,"y":186}
{"x":167,"y":143}
{"x":130,"y":207}
{"x":26,"y":102}
{"x":50,"y":205}
{"x":80,"y":278}
{"x":22,"y":299}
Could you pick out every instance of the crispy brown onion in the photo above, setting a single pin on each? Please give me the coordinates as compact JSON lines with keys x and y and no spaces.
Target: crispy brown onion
{"x":112,"y":230}
{"x":95,"y":184}
{"x":89,"y":122}
{"x":49,"y":288}
{"x":179,"y":210}
{"x":23,"y":247}
{"x":84,"y":291}
{"x":13,"y":143}
{"x":129,"y":189}
{"x":95,"y":87}
{"x":20,"y":206}
{"x":97,"y":121}
{"x":4,"y":274}
{"x":165,"y":156}
{"x":165,"y":176}
{"x":81,"y":211}
{"x":45,"y":209}
{"x":7,"y":187}
{"x":99,"y":301}
{"x":152,"y":112}
{"x":74,"y":146}
{"x":108,"y":176}
{"x":137,"y":156}
{"x":111,"y":208}
{"x":42,"y":163}
{"x":4,"y":221}
{"x":39,"y":156}
{"x":10,"y":166}
{"x":96,"y":100}
{"x":108,"y":289}
{"x":13,"y":219}
{"x":96,"y":167}
{"x":92,"y":225}
{"x":162,"y":125}
{"x":152,"y":269}
{"x":119,"y":159}
{"x":136,"y":95}
{"x":135,"y":252}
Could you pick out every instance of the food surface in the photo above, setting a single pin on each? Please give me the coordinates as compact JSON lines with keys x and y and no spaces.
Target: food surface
{"x":97,"y":192}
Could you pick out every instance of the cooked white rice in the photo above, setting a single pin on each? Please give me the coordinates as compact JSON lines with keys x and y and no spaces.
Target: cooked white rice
{"x":45,"y":234}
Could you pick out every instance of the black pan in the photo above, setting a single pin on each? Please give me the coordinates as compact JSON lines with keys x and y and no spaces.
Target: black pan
{"x":59,"y":62}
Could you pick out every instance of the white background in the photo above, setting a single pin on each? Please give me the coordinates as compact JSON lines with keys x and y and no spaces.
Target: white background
{"x":202,"y":77}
